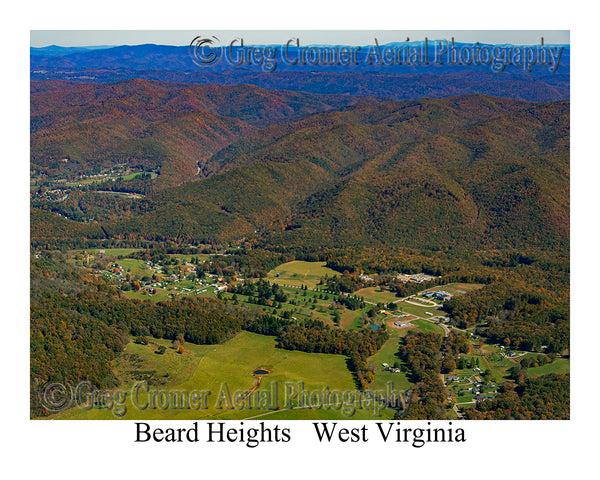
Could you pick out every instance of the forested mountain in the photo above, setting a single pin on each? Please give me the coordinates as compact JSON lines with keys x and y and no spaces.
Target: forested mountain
{"x":170,"y":127}
{"x":469,"y":172}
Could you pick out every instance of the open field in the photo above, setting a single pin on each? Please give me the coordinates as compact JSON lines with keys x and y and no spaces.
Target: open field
{"x":558,"y":365}
{"x":376,"y":295}
{"x":351,"y":319}
{"x":387,"y":354}
{"x":426,"y":326}
{"x":298,"y":273}
{"x":212,"y":367}
{"x":135,"y":266}
{"x":418,"y":310}
{"x":161,"y":295}
{"x":108,"y":251}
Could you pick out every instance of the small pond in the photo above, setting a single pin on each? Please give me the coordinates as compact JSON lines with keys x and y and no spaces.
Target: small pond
{"x":260,"y":371}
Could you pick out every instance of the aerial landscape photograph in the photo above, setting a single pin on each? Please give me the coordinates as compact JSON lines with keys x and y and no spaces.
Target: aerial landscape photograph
{"x":274,"y":225}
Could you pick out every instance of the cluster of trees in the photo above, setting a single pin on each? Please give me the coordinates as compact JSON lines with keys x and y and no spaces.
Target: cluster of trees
{"x":352,"y":302}
{"x":514,"y":317}
{"x":465,"y":362}
{"x":256,"y":263}
{"x":345,"y":283}
{"x":536,"y":398}
{"x":261,"y":292}
{"x":315,"y":336}
{"x":428,"y":398}
{"x":51,"y":231}
{"x":421,"y":351}
{"x":68,"y":347}
{"x":536,"y":361}
{"x":544,"y":330}
{"x":405,"y":289}
{"x":456,"y":343}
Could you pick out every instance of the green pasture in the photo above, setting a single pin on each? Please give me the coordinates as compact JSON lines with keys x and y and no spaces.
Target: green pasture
{"x":135,"y":267}
{"x":418,"y":310}
{"x":387,"y":354}
{"x":161,"y":295}
{"x":219,"y":369}
{"x":558,"y":365}
{"x":376,"y":295}
{"x":298,"y":273}
{"x":425,"y":326}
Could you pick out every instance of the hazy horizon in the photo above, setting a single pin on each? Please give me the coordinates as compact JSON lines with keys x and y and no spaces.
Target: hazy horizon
{"x":113,"y":38}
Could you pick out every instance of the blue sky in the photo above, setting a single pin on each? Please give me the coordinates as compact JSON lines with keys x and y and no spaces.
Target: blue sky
{"x":69,"y":38}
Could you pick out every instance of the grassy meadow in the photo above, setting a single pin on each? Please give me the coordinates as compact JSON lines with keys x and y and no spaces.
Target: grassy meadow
{"x":298,"y":273}
{"x":212,"y":368}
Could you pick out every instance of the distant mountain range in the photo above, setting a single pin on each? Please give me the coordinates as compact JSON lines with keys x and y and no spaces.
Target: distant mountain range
{"x":55,"y":50}
{"x":399,"y":82}
{"x":367,"y":58}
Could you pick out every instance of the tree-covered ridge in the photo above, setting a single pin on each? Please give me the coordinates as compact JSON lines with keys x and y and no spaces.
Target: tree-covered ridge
{"x":469,"y":172}
{"x":171,"y":127}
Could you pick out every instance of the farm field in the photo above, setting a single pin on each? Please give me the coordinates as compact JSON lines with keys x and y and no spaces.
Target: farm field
{"x":558,"y":365}
{"x":210,"y":367}
{"x":161,"y":295}
{"x":135,"y":266}
{"x":426,"y":326}
{"x":376,"y":295}
{"x":298,"y":273}
{"x":351,"y":319}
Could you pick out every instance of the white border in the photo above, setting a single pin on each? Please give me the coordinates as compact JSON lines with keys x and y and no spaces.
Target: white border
{"x":494,"y":450}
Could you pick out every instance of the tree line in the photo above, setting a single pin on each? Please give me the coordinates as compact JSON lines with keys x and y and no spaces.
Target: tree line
{"x":421,"y":352}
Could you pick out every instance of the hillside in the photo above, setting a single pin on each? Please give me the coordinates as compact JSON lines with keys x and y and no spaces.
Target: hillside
{"x":465,"y":172}
{"x":171,"y":128}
